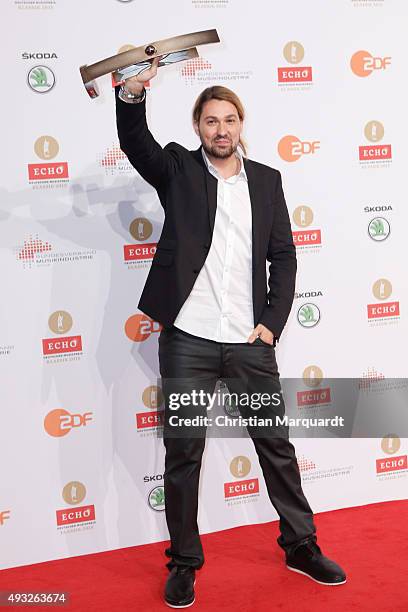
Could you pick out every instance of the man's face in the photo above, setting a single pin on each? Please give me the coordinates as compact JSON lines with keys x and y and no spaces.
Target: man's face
{"x":219,"y":128}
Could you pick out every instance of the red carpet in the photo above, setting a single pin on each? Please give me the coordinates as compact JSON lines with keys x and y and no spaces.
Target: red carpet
{"x":244,"y":570}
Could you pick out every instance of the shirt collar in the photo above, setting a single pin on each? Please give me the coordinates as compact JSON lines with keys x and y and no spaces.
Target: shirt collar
{"x":211,"y":168}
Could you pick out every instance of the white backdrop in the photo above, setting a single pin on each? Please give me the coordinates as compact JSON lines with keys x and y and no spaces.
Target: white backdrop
{"x":81,"y":462}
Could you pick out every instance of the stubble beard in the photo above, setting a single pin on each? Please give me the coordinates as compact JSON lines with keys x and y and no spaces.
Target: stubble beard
{"x":219,"y":152}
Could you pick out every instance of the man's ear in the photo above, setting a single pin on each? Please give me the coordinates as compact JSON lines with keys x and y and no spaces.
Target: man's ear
{"x":195,"y":126}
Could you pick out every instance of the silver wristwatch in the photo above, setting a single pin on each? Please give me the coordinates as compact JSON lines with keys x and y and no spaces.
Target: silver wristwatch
{"x":127,"y":96}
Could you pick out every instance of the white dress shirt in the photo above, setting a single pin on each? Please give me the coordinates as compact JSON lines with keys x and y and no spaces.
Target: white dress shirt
{"x":219,"y":306}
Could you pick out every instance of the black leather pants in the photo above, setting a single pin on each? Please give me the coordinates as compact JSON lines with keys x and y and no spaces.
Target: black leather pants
{"x":188,"y":362}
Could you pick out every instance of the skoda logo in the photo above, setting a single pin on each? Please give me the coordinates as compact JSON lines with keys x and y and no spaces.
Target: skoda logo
{"x":41,"y":79}
{"x":379,"y":229}
{"x":308,"y":315}
{"x":156,"y":499}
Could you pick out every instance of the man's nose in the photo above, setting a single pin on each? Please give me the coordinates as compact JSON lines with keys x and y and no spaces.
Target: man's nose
{"x":222,"y":129}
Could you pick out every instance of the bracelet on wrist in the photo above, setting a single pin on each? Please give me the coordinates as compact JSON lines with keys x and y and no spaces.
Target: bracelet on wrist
{"x":131,"y":96}
{"x":127,"y":96}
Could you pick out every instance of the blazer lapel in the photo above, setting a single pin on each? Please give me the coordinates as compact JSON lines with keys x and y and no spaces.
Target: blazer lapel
{"x":257,"y":201}
{"x":211,"y":184}
{"x":255,"y":195}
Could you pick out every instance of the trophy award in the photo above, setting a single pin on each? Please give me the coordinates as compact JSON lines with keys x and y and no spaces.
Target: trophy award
{"x":132,"y":62}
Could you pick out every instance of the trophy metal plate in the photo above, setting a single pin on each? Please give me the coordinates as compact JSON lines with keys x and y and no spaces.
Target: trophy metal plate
{"x":134,"y":61}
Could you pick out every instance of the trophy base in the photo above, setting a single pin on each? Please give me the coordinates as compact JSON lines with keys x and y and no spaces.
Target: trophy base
{"x":92,"y":89}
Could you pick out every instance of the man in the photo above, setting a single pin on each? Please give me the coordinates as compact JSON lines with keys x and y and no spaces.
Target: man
{"x":225,"y":216}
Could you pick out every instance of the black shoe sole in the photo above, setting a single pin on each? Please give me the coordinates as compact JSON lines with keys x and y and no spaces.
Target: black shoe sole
{"x":186,"y":605}
{"x":298,"y":571}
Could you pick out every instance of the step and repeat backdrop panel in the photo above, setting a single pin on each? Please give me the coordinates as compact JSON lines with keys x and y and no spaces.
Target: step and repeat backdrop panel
{"x":80,"y":447}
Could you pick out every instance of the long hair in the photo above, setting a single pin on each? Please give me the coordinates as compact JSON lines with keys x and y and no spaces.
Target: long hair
{"x":217,"y":92}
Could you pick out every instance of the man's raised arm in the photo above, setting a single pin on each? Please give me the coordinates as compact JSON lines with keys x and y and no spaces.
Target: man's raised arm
{"x":155,"y":164}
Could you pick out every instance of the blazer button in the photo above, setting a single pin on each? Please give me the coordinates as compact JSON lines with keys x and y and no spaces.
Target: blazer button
{"x":207,"y":245}
{"x":196,"y":271}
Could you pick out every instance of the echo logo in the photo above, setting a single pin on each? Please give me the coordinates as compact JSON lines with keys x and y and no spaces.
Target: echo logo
{"x":313,"y":398}
{"x":47,"y":148}
{"x":152,"y":398}
{"x":77,"y":515}
{"x":59,"y":422}
{"x":312,"y":376}
{"x":60,"y":322}
{"x":4,"y":515}
{"x":148,"y":420}
{"x":391,"y":465}
{"x":390,"y":445}
{"x":240,"y":467}
{"x":291,"y":148}
{"x":382,"y":290}
{"x":139,"y":252}
{"x":293,"y":53}
{"x":74,"y":493}
{"x":376,"y":311}
{"x":245,"y":487}
{"x":303,"y":217}
{"x":70,"y":344}
{"x":362,"y":63}
{"x":140,"y":229}
{"x":374,"y":132}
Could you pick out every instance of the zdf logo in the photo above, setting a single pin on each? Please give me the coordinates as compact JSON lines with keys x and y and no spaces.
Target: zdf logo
{"x":290,"y":148}
{"x":362,"y":63}
{"x":3,"y":516}
{"x":139,"y":327}
{"x":59,"y":422}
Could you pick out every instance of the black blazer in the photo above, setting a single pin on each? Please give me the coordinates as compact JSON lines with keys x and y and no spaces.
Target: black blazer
{"x":188,"y":194}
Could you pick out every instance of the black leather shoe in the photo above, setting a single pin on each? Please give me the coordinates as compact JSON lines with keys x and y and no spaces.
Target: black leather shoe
{"x":307,"y":559}
{"x":179,"y":592}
